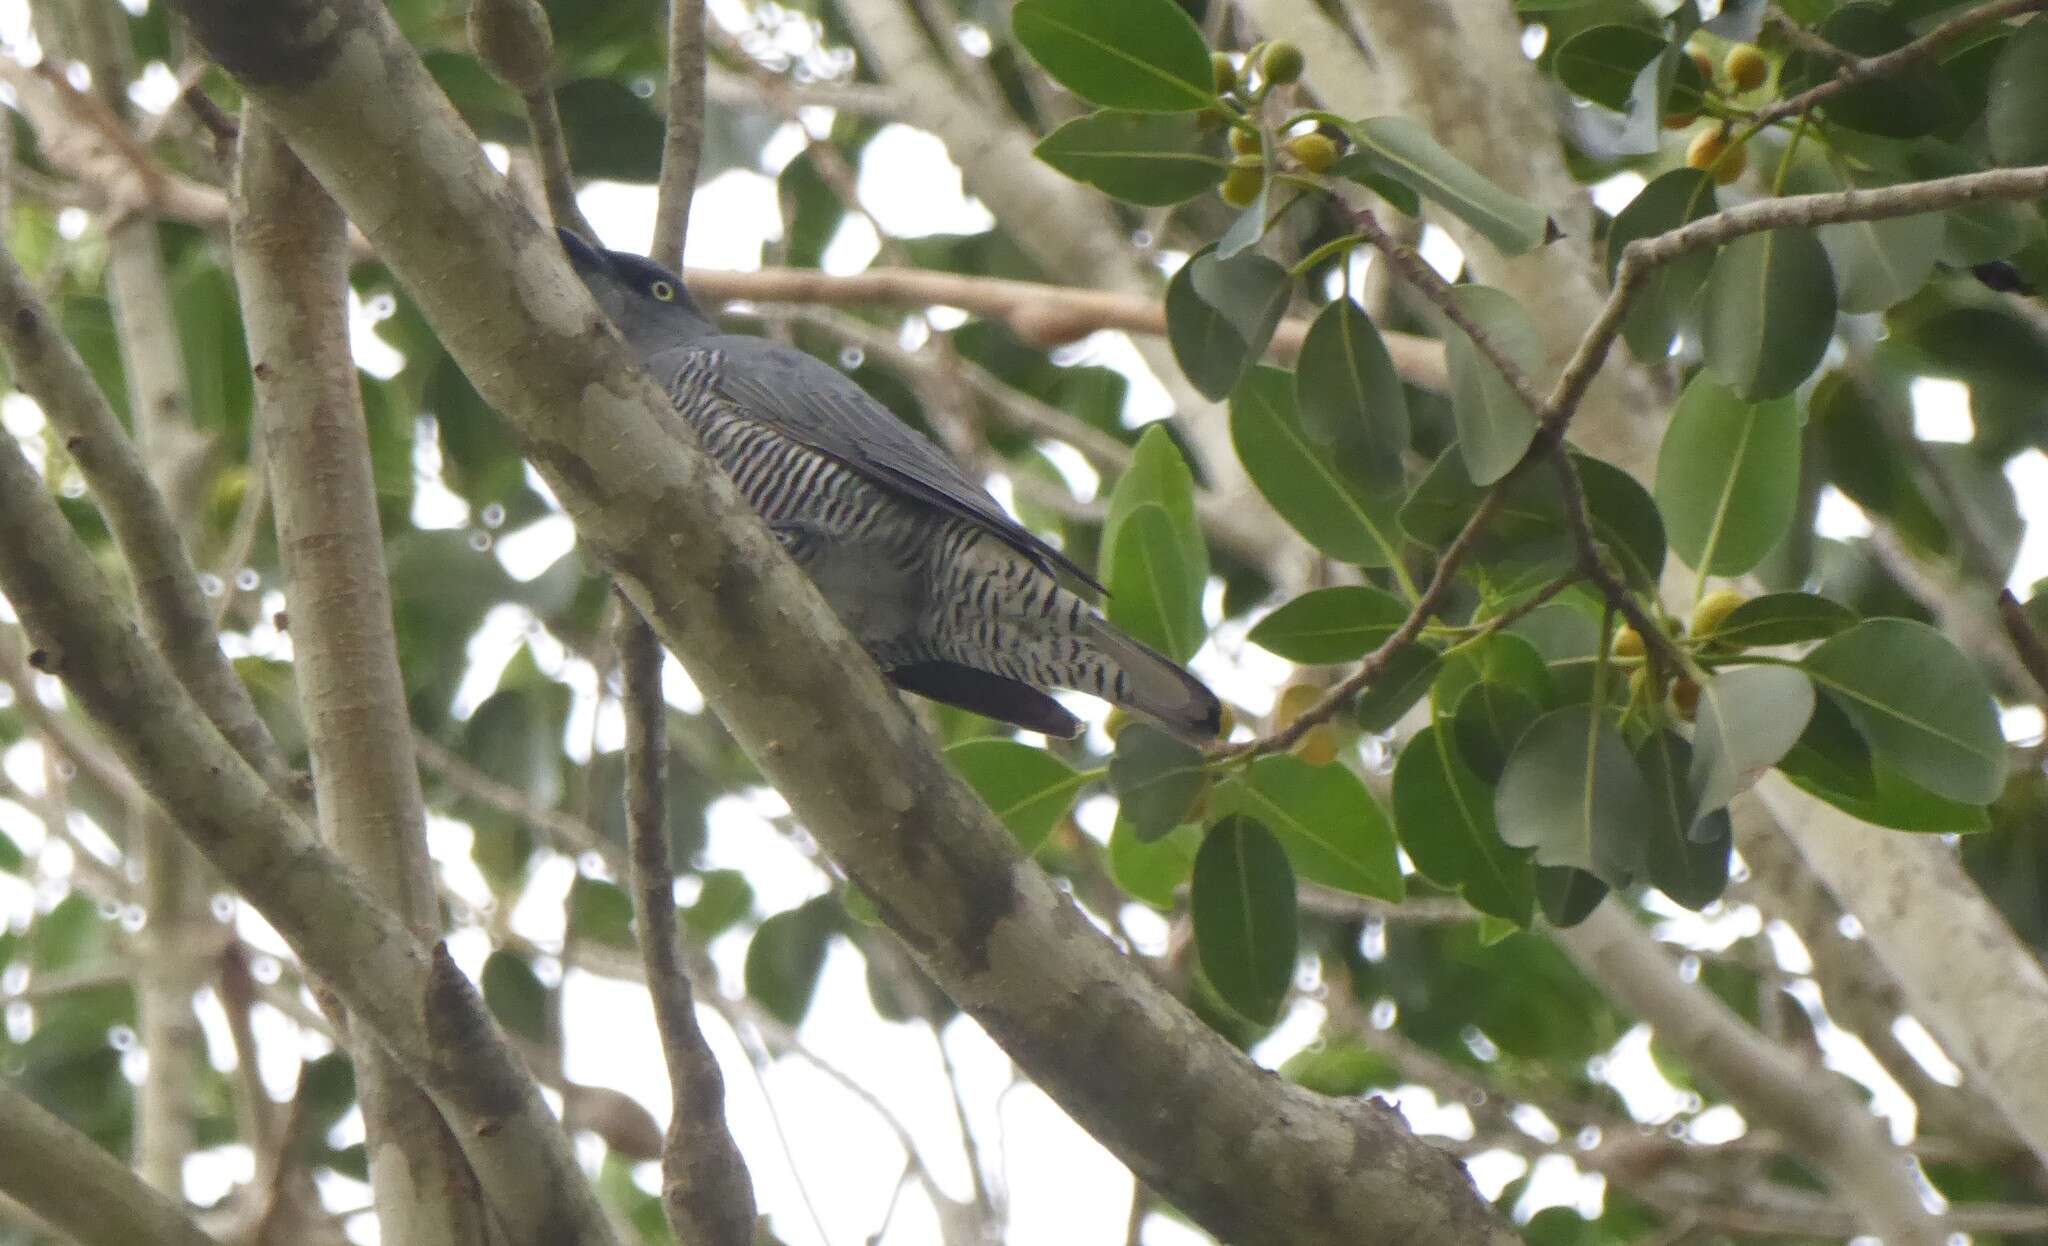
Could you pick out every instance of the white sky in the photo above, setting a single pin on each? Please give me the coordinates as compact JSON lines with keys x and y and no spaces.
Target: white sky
{"x":839,"y":1159}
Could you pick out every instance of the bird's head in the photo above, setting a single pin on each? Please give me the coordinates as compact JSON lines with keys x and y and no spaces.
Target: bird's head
{"x":649,"y":304}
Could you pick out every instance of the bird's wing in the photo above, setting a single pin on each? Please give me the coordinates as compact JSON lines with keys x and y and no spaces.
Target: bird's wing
{"x":810,"y":400}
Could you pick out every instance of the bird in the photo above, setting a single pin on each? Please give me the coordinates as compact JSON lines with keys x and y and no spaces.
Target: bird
{"x":955,"y":600}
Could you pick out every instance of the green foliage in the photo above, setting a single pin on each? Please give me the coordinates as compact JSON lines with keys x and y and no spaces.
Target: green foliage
{"x":1029,"y":788}
{"x":1242,"y":900}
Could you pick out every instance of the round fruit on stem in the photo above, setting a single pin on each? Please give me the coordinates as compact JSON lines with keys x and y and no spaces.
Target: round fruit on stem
{"x":1746,"y":67}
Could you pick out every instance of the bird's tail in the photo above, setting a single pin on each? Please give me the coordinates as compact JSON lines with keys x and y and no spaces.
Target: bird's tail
{"x":1153,"y":684}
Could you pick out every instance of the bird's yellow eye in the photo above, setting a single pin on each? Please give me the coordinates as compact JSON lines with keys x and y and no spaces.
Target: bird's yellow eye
{"x":663,"y":291}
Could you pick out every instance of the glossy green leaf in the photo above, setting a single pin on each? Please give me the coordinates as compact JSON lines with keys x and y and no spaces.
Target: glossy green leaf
{"x":1154,"y":593}
{"x":1528,"y":525}
{"x":1768,"y":311}
{"x":1573,"y":792}
{"x":1568,"y":896}
{"x":1664,"y":302}
{"x":1602,"y":63}
{"x":2016,"y":108}
{"x":1338,"y":517}
{"x":1749,"y":718}
{"x":1334,"y":832}
{"x":1157,"y":779}
{"x":1727,"y":477}
{"x":1220,"y":325}
{"x":1495,"y":426}
{"x":1242,"y":903}
{"x":1152,"y":871}
{"x":1861,"y":458}
{"x":1685,"y":854}
{"x":1327,"y":625}
{"x":1158,"y":473}
{"x":1503,"y":658}
{"x":1489,"y":721}
{"x":1783,"y":619}
{"x":1153,"y":159}
{"x":1350,"y":398}
{"x":1408,"y":153}
{"x":1029,"y":789}
{"x":1893,"y":801}
{"x":1876,"y":263}
{"x":1401,"y":683}
{"x":1920,"y":703}
{"x":1144,"y":55}
{"x":1831,"y":753}
{"x":1445,"y":816}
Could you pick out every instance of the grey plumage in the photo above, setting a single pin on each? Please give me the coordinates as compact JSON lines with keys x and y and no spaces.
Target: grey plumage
{"x":955,"y":600}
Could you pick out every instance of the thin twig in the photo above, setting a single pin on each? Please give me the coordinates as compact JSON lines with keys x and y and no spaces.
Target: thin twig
{"x":683,"y":141}
{"x":2025,"y":638}
{"x":704,"y":1183}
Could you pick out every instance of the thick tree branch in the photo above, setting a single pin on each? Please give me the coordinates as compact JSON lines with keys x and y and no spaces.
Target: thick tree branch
{"x":704,"y":1183}
{"x":1917,"y":907}
{"x":1252,"y":1159}
{"x":291,"y":267}
{"x":64,"y":1177}
{"x":1826,"y":1126}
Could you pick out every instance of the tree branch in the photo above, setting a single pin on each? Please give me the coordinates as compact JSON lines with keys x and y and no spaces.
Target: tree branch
{"x":1251,"y":1159}
{"x":1854,"y":69}
{"x":291,"y":269}
{"x":1827,"y":1128}
{"x":2026,"y":641}
{"x":704,"y":1183}
{"x":683,"y":138}
{"x":64,"y":1177}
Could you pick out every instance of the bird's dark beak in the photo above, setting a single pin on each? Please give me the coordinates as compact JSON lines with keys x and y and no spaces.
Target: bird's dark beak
{"x":583,"y":257}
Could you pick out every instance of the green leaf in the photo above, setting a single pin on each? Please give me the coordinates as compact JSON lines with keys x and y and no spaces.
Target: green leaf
{"x":1408,"y":153}
{"x":1727,"y":477}
{"x":1153,"y":159}
{"x":1859,"y":456}
{"x":1568,"y":896}
{"x":1894,"y":801}
{"x":1242,"y":903}
{"x":1144,"y":55}
{"x":2016,"y":111}
{"x":10,"y":857}
{"x":1502,"y":658}
{"x":1876,"y":263}
{"x":1768,"y":311}
{"x":515,"y":996}
{"x":1831,"y":753}
{"x":1340,"y":1069}
{"x":1686,"y":855}
{"x":1158,"y":473}
{"x":1153,"y":593}
{"x":1328,"y":625}
{"x":1445,"y":815}
{"x":612,"y":132}
{"x":1490,"y":719}
{"x":1152,"y":872}
{"x":1222,"y":325}
{"x":1782,"y":619}
{"x":1338,"y":517}
{"x":724,"y":900}
{"x":1529,"y":522}
{"x":786,"y":954}
{"x":1495,"y":426}
{"x":601,"y":912}
{"x":1749,"y":718}
{"x":1914,"y":99}
{"x":1333,"y":830}
{"x":1664,"y":301}
{"x":1572,"y":792}
{"x":1977,"y":233}
{"x":1351,"y":399}
{"x":1401,"y":683}
{"x":1602,"y":63}
{"x":1029,"y":789}
{"x":1157,"y":779}
{"x":1920,"y":703}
